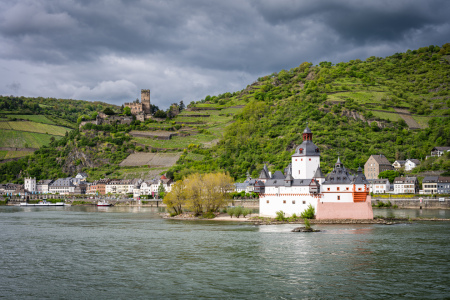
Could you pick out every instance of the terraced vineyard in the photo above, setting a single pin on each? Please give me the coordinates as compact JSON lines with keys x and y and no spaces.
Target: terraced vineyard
{"x":20,"y":139}
{"x":33,"y":118}
{"x":38,"y":127}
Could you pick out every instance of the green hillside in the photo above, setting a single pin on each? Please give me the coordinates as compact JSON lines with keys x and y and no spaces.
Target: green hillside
{"x":398,"y":106}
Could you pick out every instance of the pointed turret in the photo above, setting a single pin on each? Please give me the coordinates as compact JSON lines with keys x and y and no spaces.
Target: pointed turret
{"x":338,"y":163}
{"x":318,"y":173}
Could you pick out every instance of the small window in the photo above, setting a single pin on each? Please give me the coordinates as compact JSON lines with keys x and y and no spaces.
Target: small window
{"x":267,"y":201}
{"x":328,"y":189}
{"x":310,"y":159}
{"x":338,"y":188}
{"x":284,"y":201}
{"x":298,"y":171}
{"x":359,"y":189}
{"x":339,"y":197}
{"x":295,"y":159}
{"x":293,"y":201}
{"x":346,"y":189}
{"x":304,"y":202}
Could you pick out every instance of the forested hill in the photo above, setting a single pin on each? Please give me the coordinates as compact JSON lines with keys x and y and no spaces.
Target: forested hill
{"x":397,"y":106}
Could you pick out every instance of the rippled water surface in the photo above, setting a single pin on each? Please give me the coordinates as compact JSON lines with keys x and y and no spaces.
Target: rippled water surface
{"x":131,"y":253}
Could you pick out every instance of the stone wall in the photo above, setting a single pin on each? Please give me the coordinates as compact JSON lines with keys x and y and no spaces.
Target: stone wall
{"x":427,"y":202}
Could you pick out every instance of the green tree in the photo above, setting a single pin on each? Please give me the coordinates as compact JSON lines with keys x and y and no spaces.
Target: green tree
{"x":389,"y":174}
{"x":161,"y":190}
{"x":127,"y":111}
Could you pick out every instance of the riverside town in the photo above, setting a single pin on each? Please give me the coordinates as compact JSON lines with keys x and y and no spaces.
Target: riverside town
{"x":224,"y":181}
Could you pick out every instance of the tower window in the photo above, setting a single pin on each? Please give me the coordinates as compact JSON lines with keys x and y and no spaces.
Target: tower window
{"x":300,"y":150}
{"x":339,"y":197}
{"x":267,"y":201}
{"x":310,"y":159}
{"x":338,"y":188}
{"x":293,"y":201}
{"x":284,"y":201}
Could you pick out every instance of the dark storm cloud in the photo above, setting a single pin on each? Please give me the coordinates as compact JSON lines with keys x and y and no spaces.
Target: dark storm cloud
{"x":108,"y":50}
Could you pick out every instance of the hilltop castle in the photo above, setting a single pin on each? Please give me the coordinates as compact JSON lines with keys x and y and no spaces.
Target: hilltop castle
{"x":140,"y":110}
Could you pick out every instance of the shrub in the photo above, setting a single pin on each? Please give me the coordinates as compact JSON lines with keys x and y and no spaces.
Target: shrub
{"x":308,"y":213}
{"x":209,"y":215}
{"x":307,"y":224}
{"x":246,"y":211}
{"x":293,"y":218}
{"x":238,"y":211}
{"x":230,"y":211}
{"x":280,"y":216}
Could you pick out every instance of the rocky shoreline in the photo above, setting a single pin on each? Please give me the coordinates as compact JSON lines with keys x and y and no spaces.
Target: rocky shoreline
{"x":256,"y":220}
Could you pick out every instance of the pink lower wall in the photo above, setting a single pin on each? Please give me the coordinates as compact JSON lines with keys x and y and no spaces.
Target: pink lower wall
{"x":343,"y":210}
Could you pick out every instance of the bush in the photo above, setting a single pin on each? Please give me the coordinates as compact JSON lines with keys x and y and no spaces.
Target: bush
{"x":280,"y":216}
{"x":238,"y":211}
{"x":246,"y":211}
{"x":293,"y":218}
{"x":308,"y":213}
{"x":230,"y":211}
{"x":307,"y":224}
{"x":209,"y":215}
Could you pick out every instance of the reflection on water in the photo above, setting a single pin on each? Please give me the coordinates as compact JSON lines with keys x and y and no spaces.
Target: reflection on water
{"x":130,"y":252}
{"x":412,"y":213}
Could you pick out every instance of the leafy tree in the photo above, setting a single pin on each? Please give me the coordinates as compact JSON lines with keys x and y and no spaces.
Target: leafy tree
{"x":389,"y":174}
{"x":108,"y":111}
{"x":176,"y":198}
{"x":127,"y":111}
{"x":161,"y":190}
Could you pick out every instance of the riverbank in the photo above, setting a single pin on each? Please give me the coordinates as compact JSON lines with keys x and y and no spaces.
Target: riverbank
{"x":256,"y":220}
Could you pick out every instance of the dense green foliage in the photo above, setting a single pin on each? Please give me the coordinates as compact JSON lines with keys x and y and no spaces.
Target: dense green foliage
{"x":351,"y":107}
{"x":327,"y":97}
{"x":54,"y":109}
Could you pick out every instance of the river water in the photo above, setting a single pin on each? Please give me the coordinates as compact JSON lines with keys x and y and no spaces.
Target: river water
{"x":131,"y":253}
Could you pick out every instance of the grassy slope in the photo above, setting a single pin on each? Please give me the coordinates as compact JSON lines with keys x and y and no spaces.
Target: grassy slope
{"x":281,"y":103}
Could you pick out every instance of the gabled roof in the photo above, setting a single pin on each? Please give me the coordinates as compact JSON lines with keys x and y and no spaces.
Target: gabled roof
{"x":441,"y":148}
{"x":360,"y":178}
{"x":430,"y":179}
{"x":381,"y":159}
{"x":416,"y":161}
{"x":281,"y":182}
{"x":339,"y":175}
{"x":402,"y":180}
{"x":318,"y":173}
{"x":278,"y":175}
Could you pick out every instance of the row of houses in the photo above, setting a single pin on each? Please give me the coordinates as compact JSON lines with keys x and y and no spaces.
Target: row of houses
{"x":379,"y":163}
{"x":79,"y":186}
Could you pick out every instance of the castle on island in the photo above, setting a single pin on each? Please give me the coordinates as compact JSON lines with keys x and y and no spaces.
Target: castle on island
{"x":339,"y":195}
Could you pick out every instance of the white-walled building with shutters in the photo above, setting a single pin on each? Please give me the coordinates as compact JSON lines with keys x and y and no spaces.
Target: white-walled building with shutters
{"x":338,"y":195}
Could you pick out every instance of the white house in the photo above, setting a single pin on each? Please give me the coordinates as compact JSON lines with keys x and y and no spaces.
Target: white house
{"x":411,"y":164}
{"x":62,"y":186}
{"x":339,"y":195}
{"x":406,"y":185}
{"x":399,"y":164}
{"x":380,"y":186}
{"x":439,"y":151}
{"x":42,"y":186}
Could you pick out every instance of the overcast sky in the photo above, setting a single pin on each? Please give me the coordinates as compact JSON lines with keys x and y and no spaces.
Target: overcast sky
{"x":184,"y":50}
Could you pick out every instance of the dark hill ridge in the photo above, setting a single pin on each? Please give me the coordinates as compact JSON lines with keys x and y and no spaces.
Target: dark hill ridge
{"x":398,"y":106}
